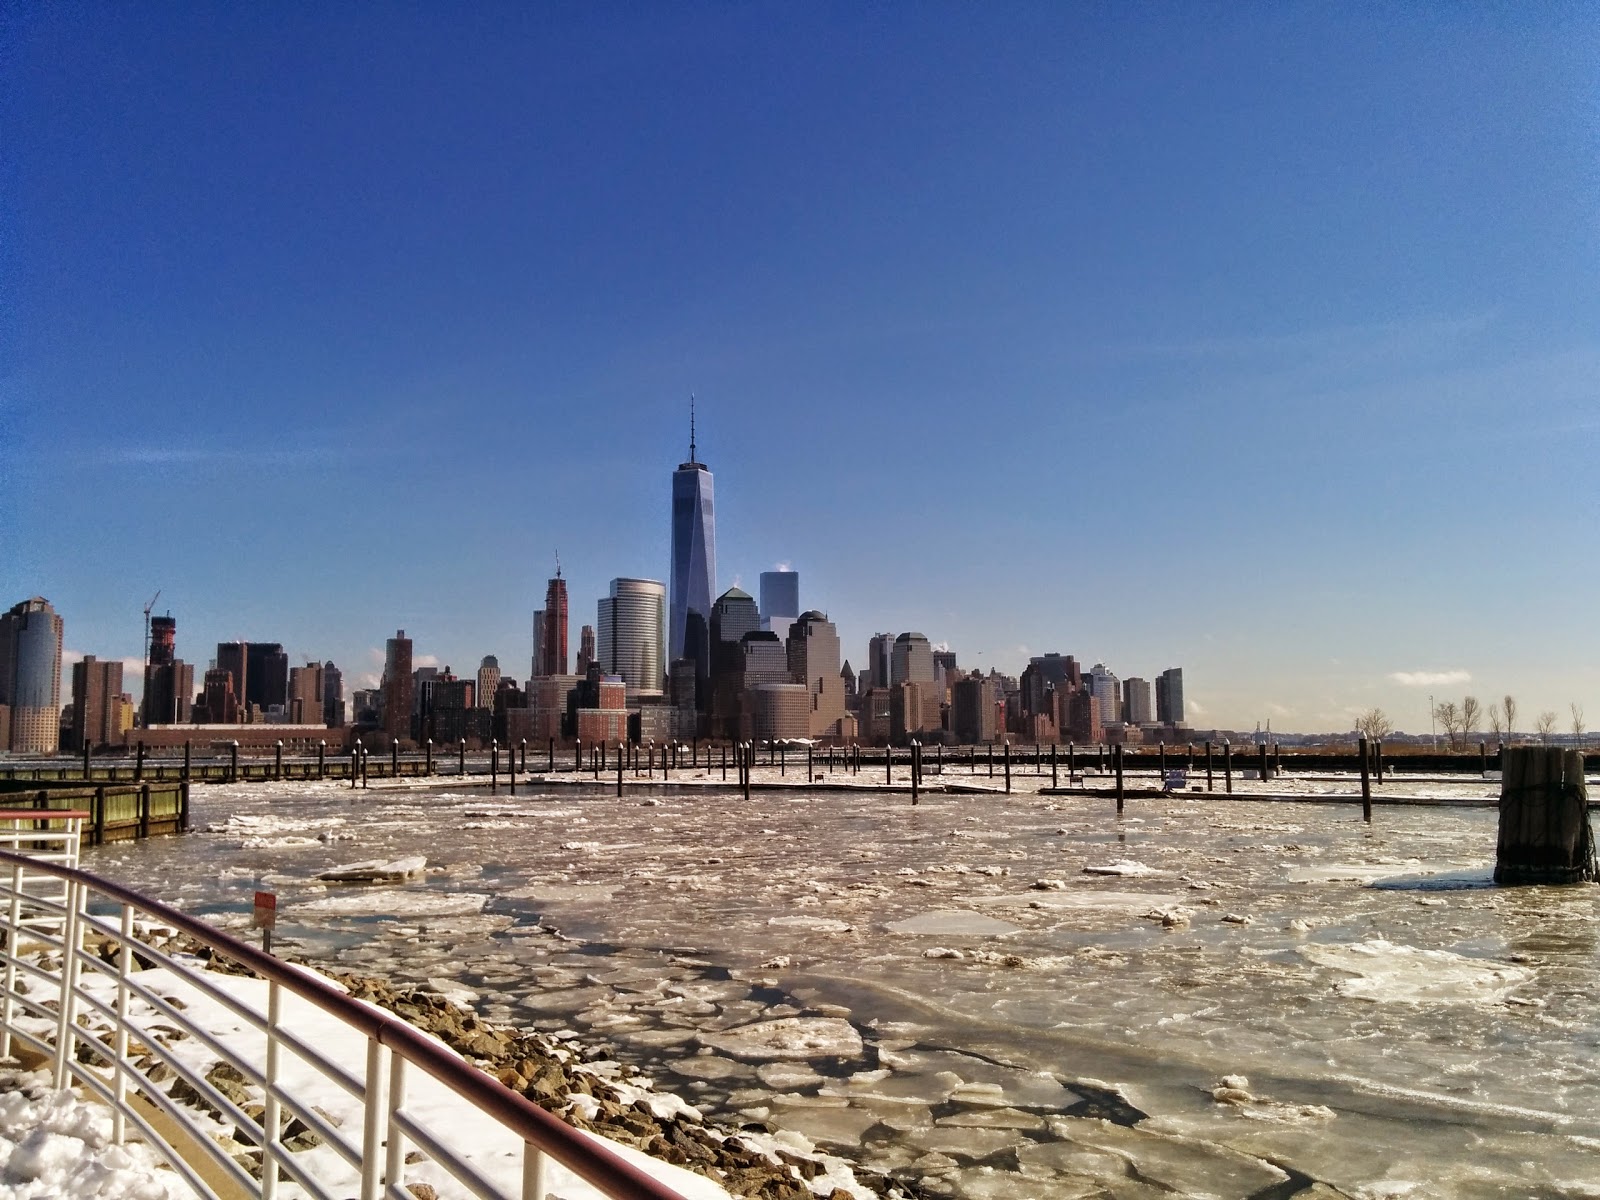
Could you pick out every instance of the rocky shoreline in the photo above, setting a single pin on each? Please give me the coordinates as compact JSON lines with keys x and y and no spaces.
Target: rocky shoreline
{"x":588,"y":1090}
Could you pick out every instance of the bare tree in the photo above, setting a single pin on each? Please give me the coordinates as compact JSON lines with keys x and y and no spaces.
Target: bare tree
{"x":1497,"y":723}
{"x":1545,"y":725}
{"x":1577,"y":722}
{"x":1448,"y":715}
{"x":1374,"y":724}
{"x":1470,"y":714}
{"x":1510,"y":706}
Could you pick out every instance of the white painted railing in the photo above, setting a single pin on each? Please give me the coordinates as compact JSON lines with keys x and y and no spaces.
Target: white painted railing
{"x":84,"y":991}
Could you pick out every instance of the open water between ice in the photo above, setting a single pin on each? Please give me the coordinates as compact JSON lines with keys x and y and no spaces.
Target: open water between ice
{"x":997,"y":996}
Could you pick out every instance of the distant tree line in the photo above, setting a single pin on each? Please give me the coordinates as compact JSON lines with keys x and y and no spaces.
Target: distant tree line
{"x":1459,"y":720}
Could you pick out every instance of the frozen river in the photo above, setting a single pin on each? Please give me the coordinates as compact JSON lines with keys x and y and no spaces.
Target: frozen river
{"x":998,"y":996}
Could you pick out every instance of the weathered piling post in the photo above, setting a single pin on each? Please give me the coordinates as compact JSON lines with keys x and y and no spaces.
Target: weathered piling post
{"x":620,"y":758}
{"x":1483,"y":760}
{"x":1054,"y":778}
{"x":524,"y":756}
{"x":1161,"y":763}
{"x":1366,"y":783}
{"x":366,"y":757}
{"x":86,"y":760}
{"x":98,"y":815}
{"x":511,"y":767}
{"x":1277,"y":760}
{"x":1264,"y":769}
{"x":666,"y":760}
{"x":277,"y":761}
{"x":1116,"y":762}
{"x":494,"y":766}
{"x":461,"y":758}
{"x":144,"y":810}
{"x":1188,"y":764}
{"x":1007,"y":751}
{"x":233,"y":762}
{"x":991,"y":760}
{"x":783,"y":759}
{"x":1377,"y":760}
{"x":427,"y":747}
{"x":1100,"y":757}
{"x":1227,"y":764}
{"x":1545,"y":835}
{"x":749,"y":761}
{"x":187,"y":746}
{"x":577,"y":755}
{"x":888,"y":764}
{"x":550,"y":763}
{"x":724,"y":763}
{"x":1210,"y":778}
{"x":1072,"y":760}
{"x":915,"y":780}
{"x":811,"y":773}
{"x":355,"y":764}
{"x":138,"y":764}
{"x":394,"y":758}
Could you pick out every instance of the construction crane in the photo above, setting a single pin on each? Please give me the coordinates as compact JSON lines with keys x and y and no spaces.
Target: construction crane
{"x":147,"y":609}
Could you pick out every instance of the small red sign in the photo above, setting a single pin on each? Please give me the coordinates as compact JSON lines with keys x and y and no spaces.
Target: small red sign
{"x":266,"y":914}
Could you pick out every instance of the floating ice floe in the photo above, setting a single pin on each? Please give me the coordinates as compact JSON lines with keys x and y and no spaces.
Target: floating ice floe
{"x":953,"y":921}
{"x":788,"y":1038}
{"x":1123,"y":867}
{"x":392,"y":903}
{"x":1387,"y":972}
{"x":819,"y":924}
{"x":376,"y":871}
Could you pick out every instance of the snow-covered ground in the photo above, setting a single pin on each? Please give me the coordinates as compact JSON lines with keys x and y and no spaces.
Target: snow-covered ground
{"x":1001,"y":995}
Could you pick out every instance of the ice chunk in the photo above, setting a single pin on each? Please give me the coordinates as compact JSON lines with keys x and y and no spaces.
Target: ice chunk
{"x":1391,"y":973}
{"x":788,"y":1038}
{"x":376,"y":871}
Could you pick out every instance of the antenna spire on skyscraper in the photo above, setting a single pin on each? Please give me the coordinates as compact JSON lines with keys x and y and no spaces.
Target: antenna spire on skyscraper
{"x":558,"y":564}
{"x":691,"y":427}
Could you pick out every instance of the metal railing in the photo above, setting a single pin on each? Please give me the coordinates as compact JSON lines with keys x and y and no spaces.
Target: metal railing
{"x":85,"y":992}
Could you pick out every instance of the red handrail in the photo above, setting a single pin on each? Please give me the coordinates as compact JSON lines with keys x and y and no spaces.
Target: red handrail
{"x":592,"y":1162}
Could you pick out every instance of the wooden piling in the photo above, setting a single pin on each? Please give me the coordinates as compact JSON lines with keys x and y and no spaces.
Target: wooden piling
{"x":1007,"y":751}
{"x":1227,"y":764}
{"x":1264,"y":768}
{"x":915,"y":780}
{"x":1054,"y":778}
{"x":1210,"y":778}
{"x":1545,"y":836}
{"x":1116,"y":763}
{"x":1366,"y":783}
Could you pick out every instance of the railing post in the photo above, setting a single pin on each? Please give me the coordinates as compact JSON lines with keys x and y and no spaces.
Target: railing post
{"x":119,"y":1082}
{"x":13,"y":925}
{"x":375,"y":1121}
{"x":67,"y":1017}
{"x":271,"y":1109}
{"x":534,"y":1184}
{"x":394,"y":1167}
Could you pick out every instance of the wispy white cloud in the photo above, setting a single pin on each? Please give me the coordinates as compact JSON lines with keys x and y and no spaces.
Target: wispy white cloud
{"x":1430,"y":678}
{"x":144,"y":455}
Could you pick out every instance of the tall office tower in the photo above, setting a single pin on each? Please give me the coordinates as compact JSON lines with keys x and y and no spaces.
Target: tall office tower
{"x":1169,"y":696}
{"x":163,"y":640}
{"x":780,"y":600}
{"x":231,"y":657}
{"x":1106,"y":688}
{"x":944,"y":667}
{"x":332,"y":696}
{"x":972,"y":710}
{"x":912,"y":661}
{"x":585,"y":649}
{"x":260,"y":673}
{"x":1045,"y":675}
{"x":489,"y":678}
{"x":813,"y":651}
{"x":221,"y":702}
{"x":30,"y":676}
{"x":538,"y":642}
{"x":397,"y":686}
{"x":305,"y":695}
{"x":553,"y":634}
{"x":1138,"y":705}
{"x":847,"y":676}
{"x":168,"y":680}
{"x":96,"y":701}
{"x":880,"y":654}
{"x":631,"y":625}
{"x":694,"y":560}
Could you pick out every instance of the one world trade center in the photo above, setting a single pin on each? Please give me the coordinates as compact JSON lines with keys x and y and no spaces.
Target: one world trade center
{"x":694,"y":562}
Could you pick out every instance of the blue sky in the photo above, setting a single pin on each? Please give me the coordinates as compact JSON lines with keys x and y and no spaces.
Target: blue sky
{"x":1257,"y":339}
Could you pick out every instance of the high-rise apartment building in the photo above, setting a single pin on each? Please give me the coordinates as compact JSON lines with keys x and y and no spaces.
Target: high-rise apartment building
{"x":305,"y":695}
{"x":912,"y":661}
{"x":631,"y":630}
{"x":813,"y":652}
{"x":694,"y":561}
{"x":397,"y":687}
{"x":552,"y":646}
{"x":168,"y":680}
{"x":332,"y":696}
{"x":1169,"y":696}
{"x":1107,"y":689}
{"x":489,"y":672}
{"x":780,"y":600}
{"x":1138,"y":701}
{"x":880,"y":654}
{"x":585,"y":649}
{"x":30,"y":676}
{"x":96,"y":703}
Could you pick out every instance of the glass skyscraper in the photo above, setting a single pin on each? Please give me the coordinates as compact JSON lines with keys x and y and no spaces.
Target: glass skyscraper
{"x":694,"y":561}
{"x":629,"y":629}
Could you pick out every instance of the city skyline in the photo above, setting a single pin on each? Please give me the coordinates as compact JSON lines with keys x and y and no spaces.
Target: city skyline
{"x":1259,"y":341}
